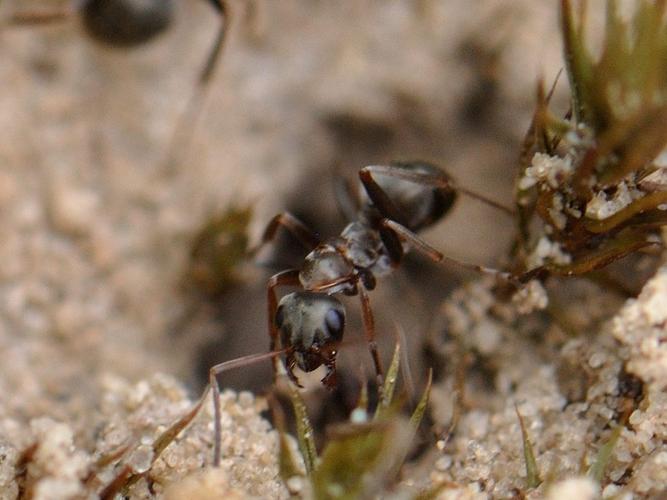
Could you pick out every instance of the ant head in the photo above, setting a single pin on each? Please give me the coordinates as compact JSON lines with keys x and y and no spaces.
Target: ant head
{"x":420,"y":204}
{"x":125,"y":23}
{"x":311,"y":326}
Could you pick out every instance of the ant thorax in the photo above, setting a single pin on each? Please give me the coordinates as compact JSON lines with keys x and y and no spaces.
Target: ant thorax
{"x":365,"y":249}
{"x":332,"y":266}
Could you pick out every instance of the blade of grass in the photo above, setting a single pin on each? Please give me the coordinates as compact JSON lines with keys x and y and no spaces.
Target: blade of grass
{"x":597,"y":468}
{"x":389,"y":386}
{"x":304,"y":430}
{"x":532,"y":471}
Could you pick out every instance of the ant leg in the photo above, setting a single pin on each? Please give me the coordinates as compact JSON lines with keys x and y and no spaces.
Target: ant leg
{"x":369,"y":330}
{"x":294,"y":226}
{"x":222,"y":9}
{"x":415,"y":241}
{"x":283,"y":278}
{"x":186,"y":125}
{"x":126,"y":476}
{"x":439,"y":180}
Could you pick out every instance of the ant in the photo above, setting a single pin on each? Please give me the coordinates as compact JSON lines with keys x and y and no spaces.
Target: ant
{"x":400,"y":199}
{"x":127,"y":23}
{"x":132,"y":23}
{"x":405,"y":198}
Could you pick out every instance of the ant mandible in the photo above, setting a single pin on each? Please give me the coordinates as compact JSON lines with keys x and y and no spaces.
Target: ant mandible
{"x":400,"y":200}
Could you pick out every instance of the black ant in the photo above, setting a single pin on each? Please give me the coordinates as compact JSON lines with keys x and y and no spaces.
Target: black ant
{"x":132,"y":23}
{"x":127,"y":23}
{"x":405,"y":198}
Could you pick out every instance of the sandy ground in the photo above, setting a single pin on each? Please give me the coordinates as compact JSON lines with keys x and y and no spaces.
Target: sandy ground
{"x":96,"y":221}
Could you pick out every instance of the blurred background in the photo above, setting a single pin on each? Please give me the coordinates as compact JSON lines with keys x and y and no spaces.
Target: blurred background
{"x":100,"y":204}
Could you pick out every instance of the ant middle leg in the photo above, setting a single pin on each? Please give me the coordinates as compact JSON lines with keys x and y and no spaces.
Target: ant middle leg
{"x":283,"y":278}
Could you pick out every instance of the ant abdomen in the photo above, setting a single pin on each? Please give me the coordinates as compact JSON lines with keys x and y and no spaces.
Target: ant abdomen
{"x":420,"y":204}
{"x":126,"y":23}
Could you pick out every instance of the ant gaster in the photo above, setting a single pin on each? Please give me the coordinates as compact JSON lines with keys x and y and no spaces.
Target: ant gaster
{"x":400,"y":199}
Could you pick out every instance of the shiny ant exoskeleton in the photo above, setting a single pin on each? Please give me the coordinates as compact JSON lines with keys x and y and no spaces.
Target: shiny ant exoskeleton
{"x":399,"y":200}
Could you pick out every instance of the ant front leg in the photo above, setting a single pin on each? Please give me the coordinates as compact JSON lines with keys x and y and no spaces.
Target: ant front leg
{"x":284,"y":278}
{"x":419,"y":244}
{"x":293,"y":226}
{"x":215,"y":390}
{"x":369,"y":330}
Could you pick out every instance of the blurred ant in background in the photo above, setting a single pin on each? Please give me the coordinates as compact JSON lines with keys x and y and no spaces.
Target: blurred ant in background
{"x":127,"y":24}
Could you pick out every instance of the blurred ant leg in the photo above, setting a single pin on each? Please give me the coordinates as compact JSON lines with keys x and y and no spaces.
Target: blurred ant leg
{"x":184,"y":130}
{"x":215,"y":390}
{"x":416,"y":242}
{"x":440,"y":180}
{"x":222,"y":9}
{"x":369,"y":331}
{"x":294,"y":226}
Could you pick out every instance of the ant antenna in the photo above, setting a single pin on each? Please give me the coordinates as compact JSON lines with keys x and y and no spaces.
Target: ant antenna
{"x":215,"y":388}
{"x":484,"y":199}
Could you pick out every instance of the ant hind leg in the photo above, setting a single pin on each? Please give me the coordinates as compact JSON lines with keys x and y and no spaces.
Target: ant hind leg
{"x":419,"y":244}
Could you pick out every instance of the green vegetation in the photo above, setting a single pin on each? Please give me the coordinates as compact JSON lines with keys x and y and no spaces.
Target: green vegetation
{"x":591,"y":178}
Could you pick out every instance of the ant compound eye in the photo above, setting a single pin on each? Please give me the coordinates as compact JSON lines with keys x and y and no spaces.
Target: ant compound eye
{"x":335,"y":323}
